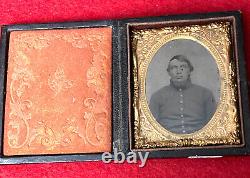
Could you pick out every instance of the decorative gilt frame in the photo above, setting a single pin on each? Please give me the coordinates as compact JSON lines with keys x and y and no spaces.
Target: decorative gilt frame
{"x":225,"y":127}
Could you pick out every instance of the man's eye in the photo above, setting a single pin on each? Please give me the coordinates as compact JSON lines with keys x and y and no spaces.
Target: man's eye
{"x":183,"y":67}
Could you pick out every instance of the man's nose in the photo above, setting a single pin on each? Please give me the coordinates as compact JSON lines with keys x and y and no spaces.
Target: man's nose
{"x":179,"y":71}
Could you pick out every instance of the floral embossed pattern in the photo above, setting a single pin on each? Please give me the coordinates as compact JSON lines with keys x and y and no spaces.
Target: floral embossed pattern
{"x":58,"y":92}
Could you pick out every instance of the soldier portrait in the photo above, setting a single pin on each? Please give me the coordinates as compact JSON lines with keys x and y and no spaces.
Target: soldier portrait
{"x":183,"y":86}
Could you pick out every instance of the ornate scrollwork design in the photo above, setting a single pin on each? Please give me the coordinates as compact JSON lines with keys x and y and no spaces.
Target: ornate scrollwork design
{"x":43,"y":135}
{"x":58,"y":81}
{"x":19,"y":115}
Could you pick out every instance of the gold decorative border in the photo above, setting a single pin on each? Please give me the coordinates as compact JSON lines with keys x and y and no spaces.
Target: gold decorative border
{"x":224,"y":127}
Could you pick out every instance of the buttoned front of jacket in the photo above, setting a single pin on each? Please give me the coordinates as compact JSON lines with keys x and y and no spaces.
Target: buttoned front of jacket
{"x":183,"y":110}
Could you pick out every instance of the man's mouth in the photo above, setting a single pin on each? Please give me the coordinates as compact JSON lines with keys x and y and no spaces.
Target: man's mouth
{"x":179,"y":77}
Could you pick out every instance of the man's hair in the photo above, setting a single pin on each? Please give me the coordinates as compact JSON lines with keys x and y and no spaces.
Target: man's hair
{"x":181,"y":58}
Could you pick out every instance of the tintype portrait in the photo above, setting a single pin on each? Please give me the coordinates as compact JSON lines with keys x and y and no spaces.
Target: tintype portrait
{"x":186,"y":102}
{"x":185,"y":88}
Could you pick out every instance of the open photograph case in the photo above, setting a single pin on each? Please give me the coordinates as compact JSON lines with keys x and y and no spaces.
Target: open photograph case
{"x":173,"y":86}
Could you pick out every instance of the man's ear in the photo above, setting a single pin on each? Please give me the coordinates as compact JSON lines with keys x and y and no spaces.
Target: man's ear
{"x":167,"y":71}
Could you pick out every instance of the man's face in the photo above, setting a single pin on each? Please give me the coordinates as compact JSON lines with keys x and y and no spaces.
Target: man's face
{"x":179,"y":71}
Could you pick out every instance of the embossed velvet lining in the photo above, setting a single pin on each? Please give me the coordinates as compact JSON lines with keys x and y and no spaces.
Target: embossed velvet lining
{"x":58,"y":92}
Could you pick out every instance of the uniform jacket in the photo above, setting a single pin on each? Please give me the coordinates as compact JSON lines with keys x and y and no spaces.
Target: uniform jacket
{"x":183,"y":110}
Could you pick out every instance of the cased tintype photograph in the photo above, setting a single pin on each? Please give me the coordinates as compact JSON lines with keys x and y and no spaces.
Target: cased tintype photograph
{"x":186,"y":85}
{"x":72,"y":91}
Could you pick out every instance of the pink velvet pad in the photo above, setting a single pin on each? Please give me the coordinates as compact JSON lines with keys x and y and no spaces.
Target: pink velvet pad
{"x":58,"y":97}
